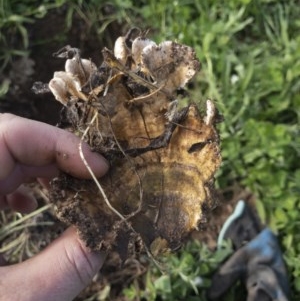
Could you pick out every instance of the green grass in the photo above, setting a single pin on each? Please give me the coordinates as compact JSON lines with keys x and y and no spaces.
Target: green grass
{"x":250,"y":54}
{"x":250,"y":51}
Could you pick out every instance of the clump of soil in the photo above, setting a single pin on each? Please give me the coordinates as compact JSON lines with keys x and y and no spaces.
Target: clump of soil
{"x":163,"y":158}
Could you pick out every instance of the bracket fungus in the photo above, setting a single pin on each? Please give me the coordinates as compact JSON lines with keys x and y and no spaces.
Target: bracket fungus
{"x":163,"y":158}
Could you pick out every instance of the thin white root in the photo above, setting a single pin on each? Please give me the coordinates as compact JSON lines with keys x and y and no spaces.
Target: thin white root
{"x":92,"y":173}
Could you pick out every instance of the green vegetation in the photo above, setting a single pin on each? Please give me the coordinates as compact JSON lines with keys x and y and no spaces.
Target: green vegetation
{"x":250,"y":51}
{"x":186,"y":277}
{"x":250,"y":54}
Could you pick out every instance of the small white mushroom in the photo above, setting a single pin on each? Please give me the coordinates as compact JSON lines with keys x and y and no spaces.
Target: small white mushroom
{"x":138,"y":46}
{"x":170,"y":64}
{"x":155,"y":58}
{"x":63,"y":84}
{"x":58,"y":88}
{"x":121,"y":52}
{"x":81,"y":68}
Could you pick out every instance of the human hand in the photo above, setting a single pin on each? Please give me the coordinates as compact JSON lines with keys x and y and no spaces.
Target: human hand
{"x":31,"y":150}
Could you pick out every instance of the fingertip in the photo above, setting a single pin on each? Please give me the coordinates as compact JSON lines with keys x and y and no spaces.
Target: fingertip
{"x":75,"y":157}
{"x":47,"y":146}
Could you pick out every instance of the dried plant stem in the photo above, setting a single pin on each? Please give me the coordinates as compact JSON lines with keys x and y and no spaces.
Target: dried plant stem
{"x":15,"y":244}
{"x":8,"y":228}
{"x":144,"y":97}
{"x":114,"y":63}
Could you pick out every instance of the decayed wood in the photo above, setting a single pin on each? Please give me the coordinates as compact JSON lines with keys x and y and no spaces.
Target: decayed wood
{"x":163,"y":159}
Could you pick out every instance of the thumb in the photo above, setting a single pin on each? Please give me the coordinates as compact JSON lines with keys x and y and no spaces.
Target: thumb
{"x":58,"y":273}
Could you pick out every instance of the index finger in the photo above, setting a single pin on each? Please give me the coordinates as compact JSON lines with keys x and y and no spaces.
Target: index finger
{"x":33,"y":143}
